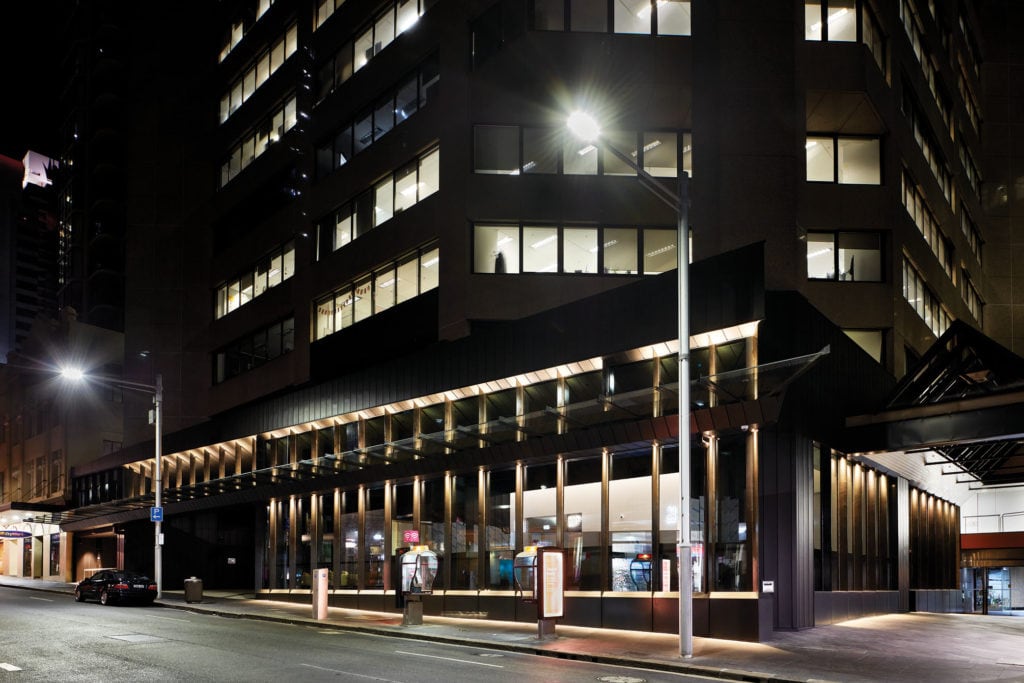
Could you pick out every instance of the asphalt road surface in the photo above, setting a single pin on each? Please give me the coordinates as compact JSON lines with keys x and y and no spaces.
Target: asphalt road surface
{"x":49,"y":637}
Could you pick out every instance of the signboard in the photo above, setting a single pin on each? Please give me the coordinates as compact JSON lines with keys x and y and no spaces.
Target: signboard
{"x":551,"y":582}
{"x":767,"y":586}
{"x":666,"y":574}
{"x":14,"y":534}
{"x":410,"y":536}
{"x":156,"y":514}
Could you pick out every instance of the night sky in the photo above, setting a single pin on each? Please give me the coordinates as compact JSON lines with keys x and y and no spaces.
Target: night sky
{"x":30,"y":53}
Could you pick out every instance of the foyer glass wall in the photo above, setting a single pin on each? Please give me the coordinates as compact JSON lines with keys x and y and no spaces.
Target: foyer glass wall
{"x":615,"y":509}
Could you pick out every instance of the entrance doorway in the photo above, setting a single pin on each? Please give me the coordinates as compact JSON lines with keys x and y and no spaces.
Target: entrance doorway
{"x":989,"y":590}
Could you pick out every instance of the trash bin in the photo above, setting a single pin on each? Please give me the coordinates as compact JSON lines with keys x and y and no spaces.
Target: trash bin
{"x":193,"y":589}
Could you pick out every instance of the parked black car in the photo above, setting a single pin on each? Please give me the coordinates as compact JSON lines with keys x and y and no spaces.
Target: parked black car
{"x":110,"y":586}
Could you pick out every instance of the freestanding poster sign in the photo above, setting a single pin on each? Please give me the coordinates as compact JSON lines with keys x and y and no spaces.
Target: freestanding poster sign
{"x":320,"y":593}
{"x":550,"y":589}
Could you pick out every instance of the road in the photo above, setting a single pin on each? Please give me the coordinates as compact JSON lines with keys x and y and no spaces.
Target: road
{"x":49,"y":637}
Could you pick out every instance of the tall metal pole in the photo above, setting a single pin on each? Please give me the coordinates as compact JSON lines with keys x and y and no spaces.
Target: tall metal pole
{"x":585,"y":127}
{"x":158,"y":565}
{"x":683,"y":551}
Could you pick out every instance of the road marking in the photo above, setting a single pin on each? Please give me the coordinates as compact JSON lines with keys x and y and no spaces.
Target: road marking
{"x":9,"y":667}
{"x":43,"y":599}
{"x":450,"y":659}
{"x":349,"y":673}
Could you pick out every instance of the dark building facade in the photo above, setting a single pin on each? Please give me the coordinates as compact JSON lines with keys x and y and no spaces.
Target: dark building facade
{"x":405,"y":299}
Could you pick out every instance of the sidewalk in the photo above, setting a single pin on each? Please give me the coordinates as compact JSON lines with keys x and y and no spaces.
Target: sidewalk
{"x":895,"y":647}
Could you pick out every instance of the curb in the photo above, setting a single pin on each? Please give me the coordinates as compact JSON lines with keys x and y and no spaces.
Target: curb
{"x":633,"y":662}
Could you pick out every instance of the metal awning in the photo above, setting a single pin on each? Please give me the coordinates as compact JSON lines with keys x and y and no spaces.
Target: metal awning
{"x":621,"y":421}
{"x":964,"y":400}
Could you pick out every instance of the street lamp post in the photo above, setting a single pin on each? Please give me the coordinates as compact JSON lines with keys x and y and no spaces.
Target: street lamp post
{"x":583,"y":126}
{"x":157,"y":391}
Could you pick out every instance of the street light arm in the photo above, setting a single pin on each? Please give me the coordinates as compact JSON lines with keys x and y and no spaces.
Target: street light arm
{"x":667,"y":196}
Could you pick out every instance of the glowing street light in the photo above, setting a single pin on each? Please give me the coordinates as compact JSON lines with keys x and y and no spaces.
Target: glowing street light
{"x":157,"y":390}
{"x":585,"y":127}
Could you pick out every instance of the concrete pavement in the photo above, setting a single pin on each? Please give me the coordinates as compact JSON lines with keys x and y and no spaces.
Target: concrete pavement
{"x":895,"y":647}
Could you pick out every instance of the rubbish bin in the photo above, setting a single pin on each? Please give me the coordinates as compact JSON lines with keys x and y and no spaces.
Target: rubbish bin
{"x":193,"y":589}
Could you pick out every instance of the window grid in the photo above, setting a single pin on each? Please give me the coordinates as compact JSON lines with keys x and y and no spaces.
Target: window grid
{"x":254,"y":350}
{"x":398,"y":191}
{"x":240,"y":28}
{"x":397,"y":18}
{"x":387,"y":285}
{"x":271,"y":271}
{"x":926,"y":141}
{"x":924,"y":219}
{"x":257,"y":141}
{"x":256,"y":75}
{"x":514,"y":248}
{"x":971,"y":297}
{"x":844,"y":256}
{"x":923,"y":301}
{"x":390,"y":110}
{"x":638,"y":17}
{"x":519,"y":150}
{"x":971,"y":232}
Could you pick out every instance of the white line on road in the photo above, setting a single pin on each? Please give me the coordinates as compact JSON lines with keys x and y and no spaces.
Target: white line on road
{"x":349,"y":673}
{"x":43,"y":599}
{"x":187,"y":621}
{"x":9,"y":667}
{"x":450,"y":659}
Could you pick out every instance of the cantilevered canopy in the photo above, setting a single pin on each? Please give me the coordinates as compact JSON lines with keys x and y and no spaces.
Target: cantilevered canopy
{"x":964,"y":400}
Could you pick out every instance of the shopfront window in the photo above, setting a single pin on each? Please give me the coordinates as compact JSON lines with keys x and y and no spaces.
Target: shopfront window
{"x":539,"y":512}
{"x":432,"y":517}
{"x":583,"y":523}
{"x":349,"y":575}
{"x":375,"y":557}
{"x":303,"y":544}
{"x":629,"y":515}
{"x":401,"y":517}
{"x":325,"y":535}
{"x":732,"y":570}
{"x":500,"y":532}
{"x":465,"y":531}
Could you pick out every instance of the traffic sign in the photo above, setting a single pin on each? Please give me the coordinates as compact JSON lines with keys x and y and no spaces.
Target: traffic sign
{"x":156,"y":514}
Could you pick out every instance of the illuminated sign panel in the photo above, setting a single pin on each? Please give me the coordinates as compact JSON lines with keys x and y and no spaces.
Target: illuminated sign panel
{"x":37,"y":169}
{"x":552,"y":574}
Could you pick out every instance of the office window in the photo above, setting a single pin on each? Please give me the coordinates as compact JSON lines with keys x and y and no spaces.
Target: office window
{"x":660,"y":154}
{"x":496,"y":249}
{"x":541,"y":150}
{"x":659,"y":251}
{"x":254,"y":350}
{"x":844,"y":256}
{"x":632,"y":16}
{"x":579,"y":250}
{"x":664,"y":17}
{"x":393,"y":194}
{"x":390,"y":284}
{"x":578,"y":157}
{"x":540,"y":250}
{"x":843,"y":160}
{"x":496,"y":149}
{"x":620,"y":251}
{"x":549,"y":15}
{"x":269,"y":272}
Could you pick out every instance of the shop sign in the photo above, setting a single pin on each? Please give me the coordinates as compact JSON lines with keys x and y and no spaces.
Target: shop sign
{"x":5,"y":533}
{"x":552,"y":573}
{"x":410,"y":536}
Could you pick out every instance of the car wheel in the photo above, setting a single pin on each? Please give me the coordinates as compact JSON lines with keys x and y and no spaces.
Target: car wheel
{"x":78,"y":596}
{"x":104,"y":598}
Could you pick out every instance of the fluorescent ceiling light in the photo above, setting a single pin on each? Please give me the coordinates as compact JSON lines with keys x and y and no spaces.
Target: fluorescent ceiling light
{"x":540,"y":243}
{"x":820,"y":252}
{"x":505,"y":239}
{"x":431,"y":262}
{"x":586,"y":150}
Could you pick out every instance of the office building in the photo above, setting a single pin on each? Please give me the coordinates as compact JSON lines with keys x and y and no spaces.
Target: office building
{"x":410,"y":301}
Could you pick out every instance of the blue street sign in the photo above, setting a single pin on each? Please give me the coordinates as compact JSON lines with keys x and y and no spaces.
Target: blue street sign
{"x":156,"y":514}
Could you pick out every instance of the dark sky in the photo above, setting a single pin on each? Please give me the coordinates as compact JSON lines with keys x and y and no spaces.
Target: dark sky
{"x":30,"y":52}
